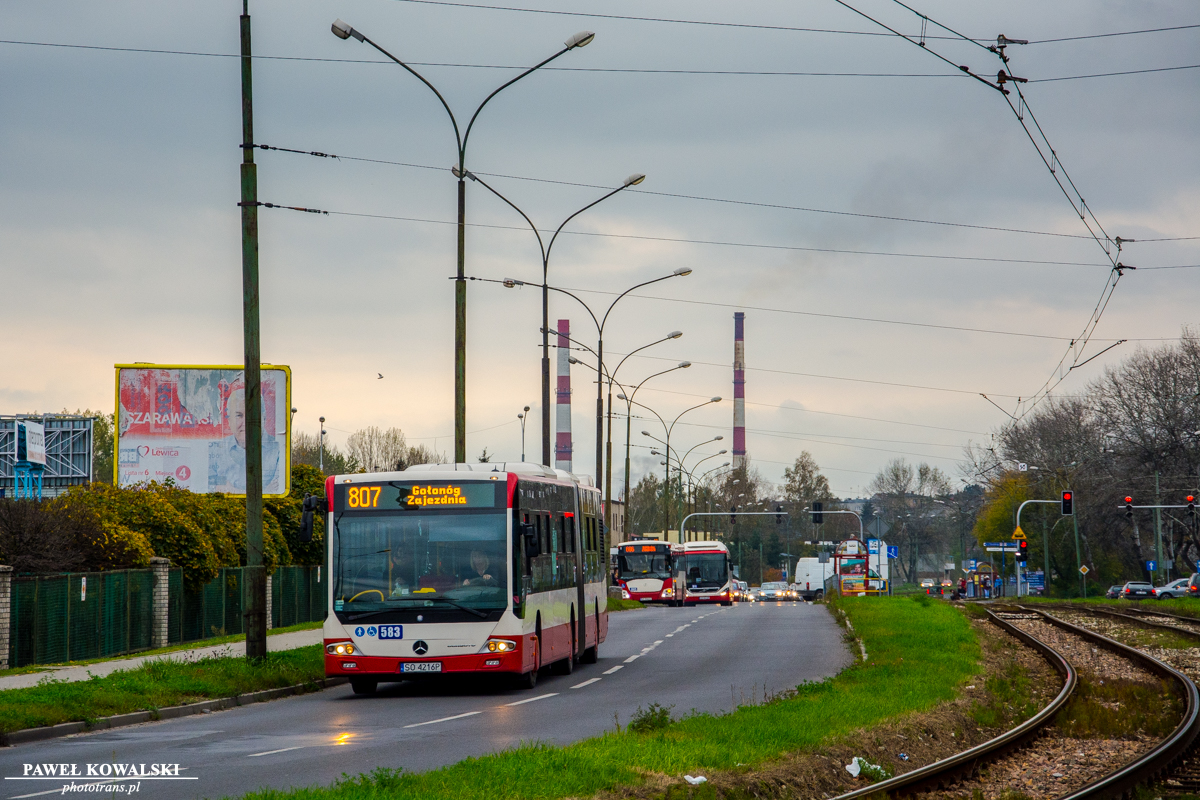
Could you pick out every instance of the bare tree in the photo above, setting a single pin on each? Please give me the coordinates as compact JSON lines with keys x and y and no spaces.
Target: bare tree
{"x":377,"y":450}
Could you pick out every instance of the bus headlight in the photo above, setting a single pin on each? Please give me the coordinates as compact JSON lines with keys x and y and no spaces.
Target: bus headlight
{"x":340,"y":649}
{"x":499,"y":646}
{"x":668,"y":592}
{"x":624,"y":594}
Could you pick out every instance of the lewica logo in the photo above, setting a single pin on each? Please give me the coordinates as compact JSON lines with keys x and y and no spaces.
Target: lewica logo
{"x":168,"y":452}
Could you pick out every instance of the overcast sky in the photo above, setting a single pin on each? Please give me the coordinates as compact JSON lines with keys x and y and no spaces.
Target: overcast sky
{"x":119,"y":232}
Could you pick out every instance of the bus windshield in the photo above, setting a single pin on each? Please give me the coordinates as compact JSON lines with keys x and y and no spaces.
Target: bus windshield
{"x":644,"y":565}
{"x":404,"y":561}
{"x":706,"y":570}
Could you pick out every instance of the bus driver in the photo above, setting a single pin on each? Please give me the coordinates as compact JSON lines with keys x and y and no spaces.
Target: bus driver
{"x":479,"y":563}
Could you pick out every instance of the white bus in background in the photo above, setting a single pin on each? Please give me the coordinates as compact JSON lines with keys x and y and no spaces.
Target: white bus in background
{"x":467,"y":568}
{"x":703,"y":573}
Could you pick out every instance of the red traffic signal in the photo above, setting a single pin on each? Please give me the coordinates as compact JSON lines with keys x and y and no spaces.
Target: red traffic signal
{"x":1022,"y":550}
{"x":1129,"y":507}
{"x":1068,"y":503}
{"x":1191,"y":501}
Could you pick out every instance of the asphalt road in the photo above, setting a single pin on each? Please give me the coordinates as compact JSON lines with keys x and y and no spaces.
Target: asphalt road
{"x":707,"y":659}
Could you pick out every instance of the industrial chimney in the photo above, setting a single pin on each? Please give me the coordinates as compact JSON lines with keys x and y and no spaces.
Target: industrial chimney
{"x":562,"y":427}
{"x":739,"y":390}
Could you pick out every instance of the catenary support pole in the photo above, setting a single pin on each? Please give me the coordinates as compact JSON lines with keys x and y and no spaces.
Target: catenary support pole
{"x":256,"y":584}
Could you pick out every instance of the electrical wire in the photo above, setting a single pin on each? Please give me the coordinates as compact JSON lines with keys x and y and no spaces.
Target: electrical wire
{"x":613,"y":70}
{"x":676,"y":240}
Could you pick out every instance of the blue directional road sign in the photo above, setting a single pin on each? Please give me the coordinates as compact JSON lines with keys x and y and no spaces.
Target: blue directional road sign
{"x":1151,"y":566}
{"x":893,"y":551}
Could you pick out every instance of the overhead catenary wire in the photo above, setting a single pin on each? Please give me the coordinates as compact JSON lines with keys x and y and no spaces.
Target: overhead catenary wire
{"x":612,"y":70}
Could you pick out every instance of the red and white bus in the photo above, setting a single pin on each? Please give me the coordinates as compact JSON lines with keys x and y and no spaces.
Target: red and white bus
{"x":703,"y":573}
{"x":645,"y":571}
{"x":468,"y":568}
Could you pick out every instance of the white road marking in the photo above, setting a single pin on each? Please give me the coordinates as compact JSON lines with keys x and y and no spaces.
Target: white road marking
{"x":669,"y":635}
{"x":614,"y":669}
{"x":658,"y":642}
{"x":273,"y":752}
{"x":585,"y":683}
{"x":456,"y":716}
{"x":633,"y":658}
{"x":522,"y":702}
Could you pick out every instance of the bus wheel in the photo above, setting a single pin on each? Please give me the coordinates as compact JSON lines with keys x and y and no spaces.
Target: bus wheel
{"x":363,"y":685}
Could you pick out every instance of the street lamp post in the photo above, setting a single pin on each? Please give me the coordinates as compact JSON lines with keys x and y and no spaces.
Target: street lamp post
{"x":667,"y":443}
{"x":629,"y":403}
{"x":632,"y":180}
{"x":521,"y":417}
{"x":321,"y":447}
{"x":581,"y":39}
{"x":600,"y":323}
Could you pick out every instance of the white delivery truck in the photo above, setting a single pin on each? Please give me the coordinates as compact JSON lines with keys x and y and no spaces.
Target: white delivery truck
{"x":810,"y":577}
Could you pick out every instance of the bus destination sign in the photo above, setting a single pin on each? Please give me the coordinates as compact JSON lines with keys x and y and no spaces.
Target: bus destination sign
{"x":416,"y":496}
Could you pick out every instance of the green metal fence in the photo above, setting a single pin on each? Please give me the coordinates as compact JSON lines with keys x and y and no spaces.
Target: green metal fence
{"x":78,"y":616}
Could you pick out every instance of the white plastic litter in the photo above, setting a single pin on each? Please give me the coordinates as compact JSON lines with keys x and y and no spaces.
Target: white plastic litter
{"x":856,"y":766}
{"x":696,"y":781}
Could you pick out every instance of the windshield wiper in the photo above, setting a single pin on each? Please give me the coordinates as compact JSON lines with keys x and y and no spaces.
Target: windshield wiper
{"x":368,"y":614}
{"x":456,"y":604}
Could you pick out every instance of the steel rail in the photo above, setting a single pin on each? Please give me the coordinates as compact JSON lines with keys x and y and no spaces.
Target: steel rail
{"x":945,"y":773}
{"x":1149,"y":767}
{"x":1137,"y":620}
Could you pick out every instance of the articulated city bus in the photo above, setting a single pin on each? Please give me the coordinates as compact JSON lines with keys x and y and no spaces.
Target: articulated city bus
{"x":468,"y":568}
{"x":703,"y":573}
{"x":645,"y":571}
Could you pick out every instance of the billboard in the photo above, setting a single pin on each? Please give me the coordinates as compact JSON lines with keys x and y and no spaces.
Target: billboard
{"x":31,"y":442}
{"x":188,"y":424}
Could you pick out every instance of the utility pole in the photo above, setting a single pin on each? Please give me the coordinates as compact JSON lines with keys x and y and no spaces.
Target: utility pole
{"x":1158,"y":553}
{"x":255,"y":584}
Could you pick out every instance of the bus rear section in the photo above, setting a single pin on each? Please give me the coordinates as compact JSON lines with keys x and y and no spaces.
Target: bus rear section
{"x":706,"y":576}
{"x":442,"y":569}
{"x":644,"y":571}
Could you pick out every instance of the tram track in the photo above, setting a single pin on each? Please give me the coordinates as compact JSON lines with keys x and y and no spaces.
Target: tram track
{"x":1069,"y":648}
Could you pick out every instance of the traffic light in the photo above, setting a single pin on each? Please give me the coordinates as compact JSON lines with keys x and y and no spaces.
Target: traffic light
{"x":817,"y":516}
{"x":1129,"y":507}
{"x":733,"y":515}
{"x":1022,"y":550}
{"x":1191,"y":500}
{"x":1068,"y":503}
{"x":778,"y":515}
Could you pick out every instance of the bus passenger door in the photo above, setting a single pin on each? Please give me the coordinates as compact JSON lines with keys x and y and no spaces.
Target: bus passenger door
{"x":577,"y":520}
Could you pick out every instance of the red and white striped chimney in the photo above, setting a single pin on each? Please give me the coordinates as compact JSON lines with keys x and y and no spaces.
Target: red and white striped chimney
{"x":562,"y":427}
{"x":739,"y":389}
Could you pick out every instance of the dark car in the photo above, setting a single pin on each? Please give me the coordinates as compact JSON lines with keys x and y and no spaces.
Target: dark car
{"x":1137,"y":590}
{"x":1193,"y":587}
{"x":1114,"y":592}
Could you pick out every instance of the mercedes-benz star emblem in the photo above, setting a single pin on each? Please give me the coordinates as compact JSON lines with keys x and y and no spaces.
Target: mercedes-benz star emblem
{"x":420,"y":648}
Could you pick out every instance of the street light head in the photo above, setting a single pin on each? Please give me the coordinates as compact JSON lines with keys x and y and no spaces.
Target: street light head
{"x":634,"y":179}
{"x":645,"y":433}
{"x":622,"y":397}
{"x":674,"y":334}
{"x":682,"y":271}
{"x":721,"y":453}
{"x":581,"y":39}
{"x":321,"y":419}
{"x":294,"y":409}
{"x":520,"y":416}
{"x":573,"y":359}
{"x":684,"y":364}
{"x":344,"y":31}
{"x":718,"y":438}
{"x":715,"y":400}
{"x":527,"y":409}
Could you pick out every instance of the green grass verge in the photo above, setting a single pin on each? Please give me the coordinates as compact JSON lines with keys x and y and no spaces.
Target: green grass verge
{"x":919,"y":652}
{"x":240,"y":637}
{"x":155,"y":685}
{"x":617,"y":604}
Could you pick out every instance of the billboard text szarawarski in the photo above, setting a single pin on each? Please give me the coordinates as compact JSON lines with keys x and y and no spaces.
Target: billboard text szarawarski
{"x":188,"y":424}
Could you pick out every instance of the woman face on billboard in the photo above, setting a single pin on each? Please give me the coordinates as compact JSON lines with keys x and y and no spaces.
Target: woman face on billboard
{"x":237,"y":415}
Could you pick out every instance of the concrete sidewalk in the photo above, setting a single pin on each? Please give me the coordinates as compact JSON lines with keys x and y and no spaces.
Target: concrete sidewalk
{"x":282,"y":641}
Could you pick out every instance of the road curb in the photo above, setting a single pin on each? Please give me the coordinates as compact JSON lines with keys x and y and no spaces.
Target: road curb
{"x":172,"y":712}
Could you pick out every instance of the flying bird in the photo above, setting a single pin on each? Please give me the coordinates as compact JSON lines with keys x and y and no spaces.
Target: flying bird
{"x":380,"y":376}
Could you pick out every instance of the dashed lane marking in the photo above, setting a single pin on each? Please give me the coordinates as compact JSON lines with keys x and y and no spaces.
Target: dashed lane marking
{"x":273,"y":752}
{"x":521,"y":702}
{"x":585,"y":683}
{"x":614,"y":669}
{"x":460,"y":716}
{"x":633,"y":658}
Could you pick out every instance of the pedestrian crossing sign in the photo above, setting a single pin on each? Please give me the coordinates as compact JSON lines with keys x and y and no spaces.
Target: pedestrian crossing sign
{"x":1018,"y":533}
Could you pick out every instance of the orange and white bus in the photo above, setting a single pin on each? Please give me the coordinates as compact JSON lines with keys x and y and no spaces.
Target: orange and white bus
{"x":645,"y":571}
{"x":468,"y":568}
{"x":703,"y":573}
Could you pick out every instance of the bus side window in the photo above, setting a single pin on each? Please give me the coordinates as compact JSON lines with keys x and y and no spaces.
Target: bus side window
{"x":569,"y":524}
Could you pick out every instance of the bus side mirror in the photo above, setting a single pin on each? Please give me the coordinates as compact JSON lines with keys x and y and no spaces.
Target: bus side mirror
{"x":529,"y":535}
{"x":312,"y":504}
